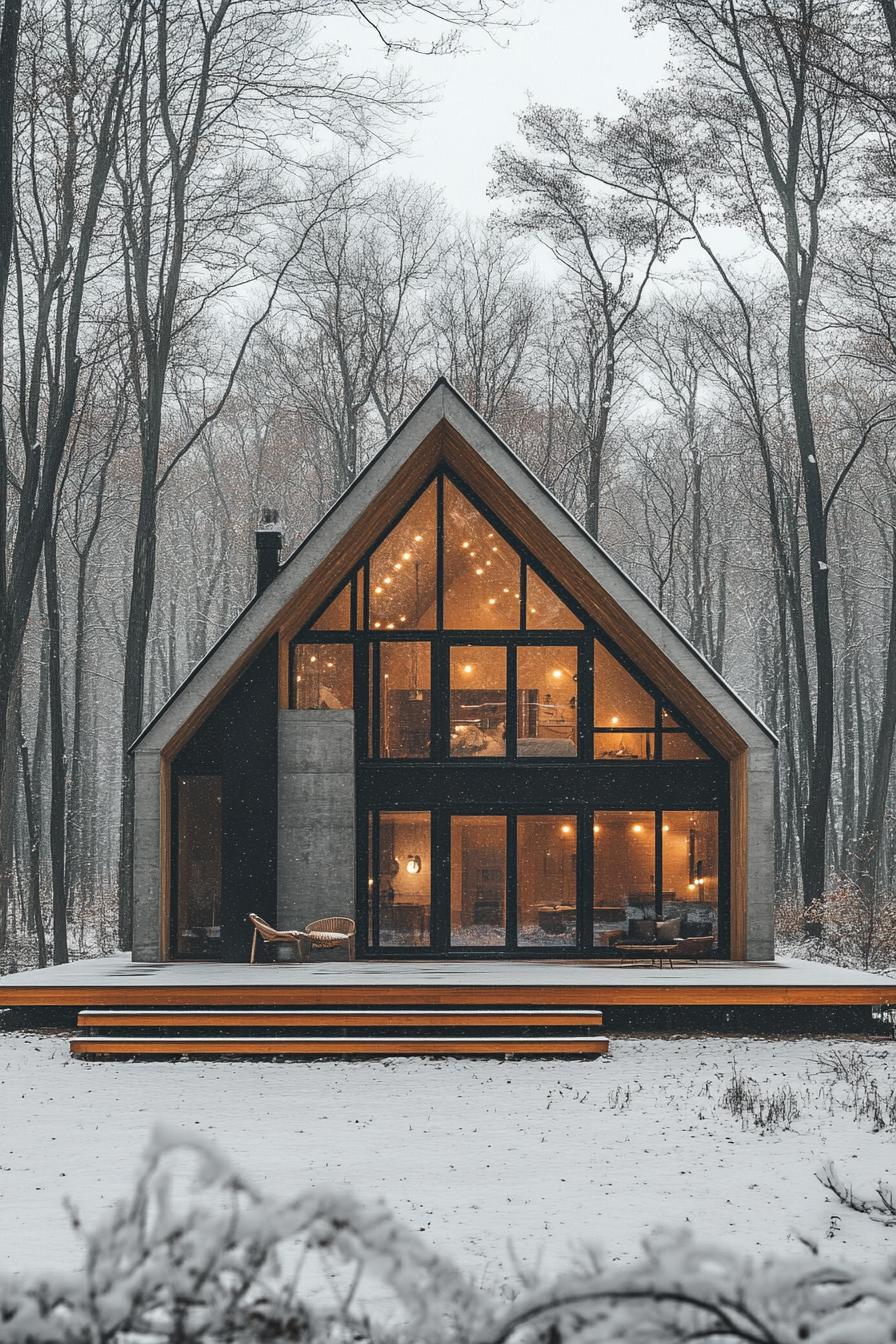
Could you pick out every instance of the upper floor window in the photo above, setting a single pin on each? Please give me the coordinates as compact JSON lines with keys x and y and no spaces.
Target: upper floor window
{"x":467,"y":650}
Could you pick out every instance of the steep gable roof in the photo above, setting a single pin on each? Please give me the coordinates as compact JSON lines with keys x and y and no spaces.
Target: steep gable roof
{"x":444,"y":427}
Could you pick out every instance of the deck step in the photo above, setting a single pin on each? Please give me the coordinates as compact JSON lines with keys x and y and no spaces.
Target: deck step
{"x":328,"y":1046}
{"x":340,"y":1019}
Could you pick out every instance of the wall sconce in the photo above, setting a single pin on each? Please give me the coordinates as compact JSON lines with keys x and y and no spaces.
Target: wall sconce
{"x":414,"y":865}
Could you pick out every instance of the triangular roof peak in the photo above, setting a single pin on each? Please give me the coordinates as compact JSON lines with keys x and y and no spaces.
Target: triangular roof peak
{"x":444,"y":428}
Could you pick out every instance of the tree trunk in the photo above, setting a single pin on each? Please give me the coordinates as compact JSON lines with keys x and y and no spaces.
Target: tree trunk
{"x":57,"y":754}
{"x":33,"y":822}
{"x":869,"y":845}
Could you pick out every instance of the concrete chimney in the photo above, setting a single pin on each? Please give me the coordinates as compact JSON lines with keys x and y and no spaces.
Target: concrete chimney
{"x":268,"y":542}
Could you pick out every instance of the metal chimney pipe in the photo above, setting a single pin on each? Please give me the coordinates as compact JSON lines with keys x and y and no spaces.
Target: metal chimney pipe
{"x":268,"y":544}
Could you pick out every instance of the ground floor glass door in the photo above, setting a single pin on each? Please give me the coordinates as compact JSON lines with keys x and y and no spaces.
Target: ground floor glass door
{"x":443,"y":882}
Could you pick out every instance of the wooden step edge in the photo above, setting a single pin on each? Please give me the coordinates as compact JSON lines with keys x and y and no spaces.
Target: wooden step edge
{"x":323,"y":1046}
{"x":387,"y":1017}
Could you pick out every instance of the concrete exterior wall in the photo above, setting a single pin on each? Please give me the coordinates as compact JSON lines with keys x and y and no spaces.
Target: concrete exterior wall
{"x":147,"y":857}
{"x":315,"y":816}
{"x":761,"y":853}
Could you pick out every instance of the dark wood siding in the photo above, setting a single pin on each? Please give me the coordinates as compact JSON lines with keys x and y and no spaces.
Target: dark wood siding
{"x":238,"y":741}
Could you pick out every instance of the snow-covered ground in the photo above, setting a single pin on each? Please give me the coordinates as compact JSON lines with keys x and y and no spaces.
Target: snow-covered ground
{"x":500,"y":1164}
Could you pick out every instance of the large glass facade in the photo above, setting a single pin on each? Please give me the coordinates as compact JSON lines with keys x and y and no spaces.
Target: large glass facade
{"x":524,"y":788}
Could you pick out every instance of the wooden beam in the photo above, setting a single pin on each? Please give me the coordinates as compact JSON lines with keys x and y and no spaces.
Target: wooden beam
{"x":342,"y":1018}
{"x":312,"y":1046}
{"x":602,"y":991}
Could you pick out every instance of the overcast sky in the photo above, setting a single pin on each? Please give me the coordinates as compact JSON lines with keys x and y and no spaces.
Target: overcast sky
{"x":574,"y":53}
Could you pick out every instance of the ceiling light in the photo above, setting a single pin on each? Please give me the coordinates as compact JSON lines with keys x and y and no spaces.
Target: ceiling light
{"x":468,"y":668}
{"x":637,"y":827}
{"x":479,"y":570}
{"x":378,"y":589}
{"x":406,"y":555}
{"x":566,"y":829}
{"x":615,"y":718}
{"x":418,"y":537}
{"x":313,"y":658}
{"x":557,"y":673}
{"x":465,"y":545}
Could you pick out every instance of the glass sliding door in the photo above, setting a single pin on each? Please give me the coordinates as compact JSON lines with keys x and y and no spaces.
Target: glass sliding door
{"x":691,"y":872}
{"x":478,"y":868}
{"x":546,"y":881}
{"x":624,"y":876}
{"x":402,"y":918}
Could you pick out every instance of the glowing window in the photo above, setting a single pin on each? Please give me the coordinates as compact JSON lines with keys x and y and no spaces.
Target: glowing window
{"x":482,"y":572}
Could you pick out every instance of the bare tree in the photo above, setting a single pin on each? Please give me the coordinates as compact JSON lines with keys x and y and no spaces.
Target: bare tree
{"x":608,"y":239}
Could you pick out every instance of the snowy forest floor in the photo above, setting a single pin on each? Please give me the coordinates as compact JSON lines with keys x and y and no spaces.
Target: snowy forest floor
{"x":501,"y":1164}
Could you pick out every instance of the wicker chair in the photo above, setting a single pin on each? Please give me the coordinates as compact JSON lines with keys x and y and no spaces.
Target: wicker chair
{"x":268,"y":934}
{"x":337,"y":931}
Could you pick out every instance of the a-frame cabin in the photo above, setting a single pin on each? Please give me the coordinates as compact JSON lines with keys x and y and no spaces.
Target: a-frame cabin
{"x":450,"y":716}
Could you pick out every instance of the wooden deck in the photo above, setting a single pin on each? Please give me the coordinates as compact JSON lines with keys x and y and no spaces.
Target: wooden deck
{"x":109,"y":982}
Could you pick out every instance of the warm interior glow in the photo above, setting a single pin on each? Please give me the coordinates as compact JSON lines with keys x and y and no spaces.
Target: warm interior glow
{"x":478,"y":590}
{"x":478,"y":867}
{"x":547,"y":704}
{"x":323,"y":675}
{"x":546,"y":881}
{"x":544,"y":609}
{"x":404,"y":888}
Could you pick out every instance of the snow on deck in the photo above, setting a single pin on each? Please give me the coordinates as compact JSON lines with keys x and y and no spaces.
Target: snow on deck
{"x":116,"y":980}
{"x":120,"y":970}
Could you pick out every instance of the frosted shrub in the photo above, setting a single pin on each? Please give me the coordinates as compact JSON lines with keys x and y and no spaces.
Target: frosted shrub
{"x":197,"y":1253}
{"x":856,"y":929}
